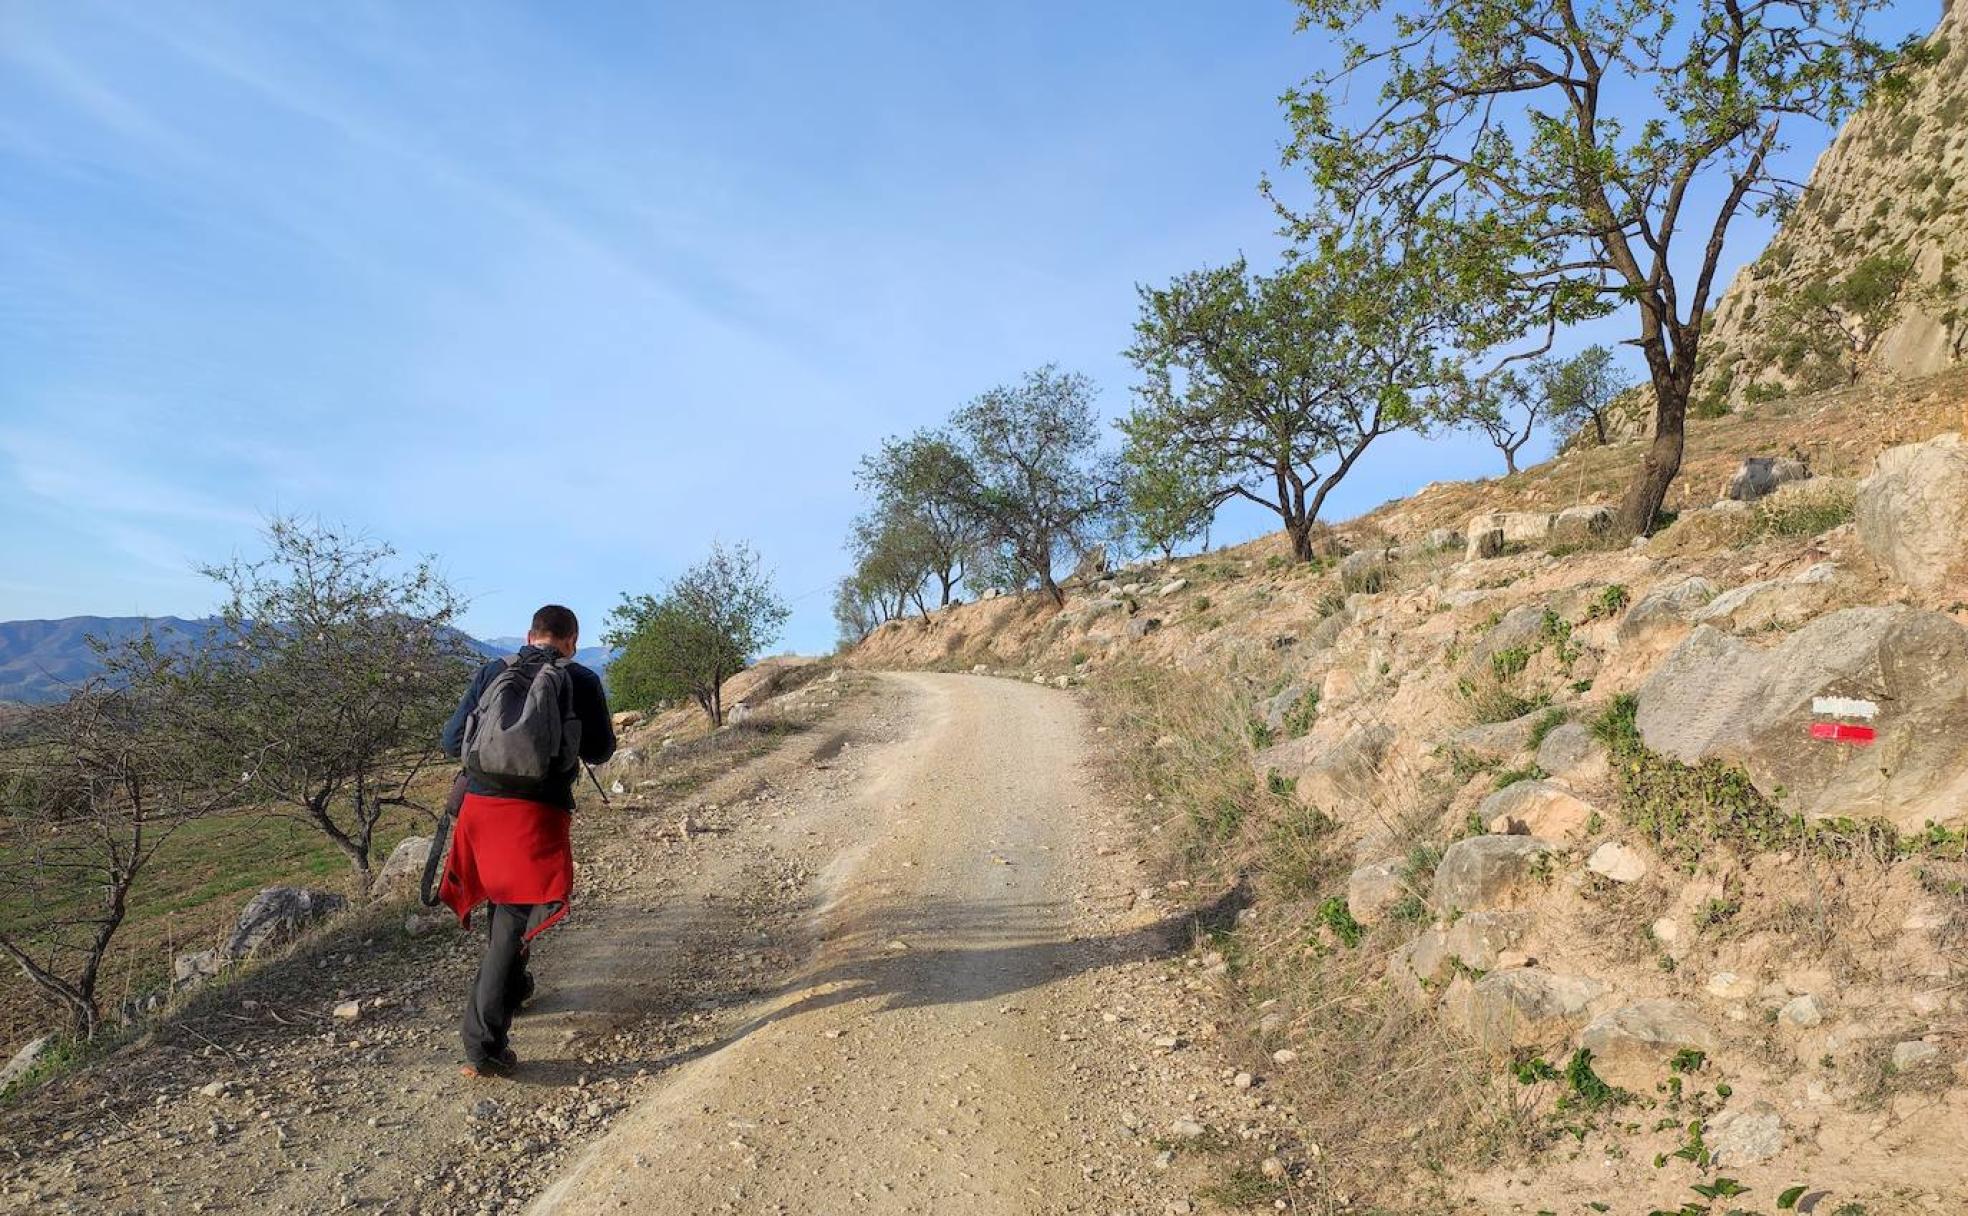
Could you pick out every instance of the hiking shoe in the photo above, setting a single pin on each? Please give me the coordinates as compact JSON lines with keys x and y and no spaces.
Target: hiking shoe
{"x":527,"y":991}
{"x":501,"y":1065}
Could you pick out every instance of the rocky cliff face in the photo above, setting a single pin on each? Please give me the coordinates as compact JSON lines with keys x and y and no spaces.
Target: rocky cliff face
{"x":1869,"y":275}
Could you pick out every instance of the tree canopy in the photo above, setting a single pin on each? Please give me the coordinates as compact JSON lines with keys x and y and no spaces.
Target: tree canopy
{"x":1037,"y":484}
{"x":1271,"y":387}
{"x":335,"y":668}
{"x":705,"y":628}
{"x":1567,"y":148}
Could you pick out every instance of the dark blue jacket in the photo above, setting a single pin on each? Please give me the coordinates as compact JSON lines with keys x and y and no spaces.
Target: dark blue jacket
{"x":590,"y":705}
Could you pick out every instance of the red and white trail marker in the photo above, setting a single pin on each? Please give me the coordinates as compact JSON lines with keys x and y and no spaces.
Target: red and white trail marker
{"x":1843,"y":732}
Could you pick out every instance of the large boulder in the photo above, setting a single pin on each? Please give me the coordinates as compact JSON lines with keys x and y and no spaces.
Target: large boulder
{"x":1524,"y":1007}
{"x":1669,"y":606}
{"x":1488,"y":872}
{"x":1509,"y":527}
{"x":1332,"y":776}
{"x":1770,"y":603}
{"x":405,"y":865}
{"x":1912,"y":515}
{"x":1718,"y":697}
{"x":1761,"y":475}
{"x":1631,"y":1046}
{"x":1536,"y":808}
{"x":24,"y":1061}
{"x":276,"y":914}
{"x":1570,"y":752}
{"x":1581,"y":525}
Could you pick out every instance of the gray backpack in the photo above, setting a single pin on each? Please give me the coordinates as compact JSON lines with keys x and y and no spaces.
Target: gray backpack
{"x":523,"y":729}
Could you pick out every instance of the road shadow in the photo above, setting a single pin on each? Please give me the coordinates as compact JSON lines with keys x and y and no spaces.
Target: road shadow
{"x":872,"y":959}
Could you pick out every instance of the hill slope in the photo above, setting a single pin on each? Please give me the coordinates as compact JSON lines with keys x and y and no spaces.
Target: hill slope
{"x":1869,"y":267}
{"x":42,"y":660}
{"x":1661,"y":836}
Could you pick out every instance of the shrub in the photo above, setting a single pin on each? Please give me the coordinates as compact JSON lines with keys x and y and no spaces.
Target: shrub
{"x":1302,"y":714}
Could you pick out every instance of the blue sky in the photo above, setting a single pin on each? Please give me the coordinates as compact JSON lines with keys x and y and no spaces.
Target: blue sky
{"x":562,"y":293}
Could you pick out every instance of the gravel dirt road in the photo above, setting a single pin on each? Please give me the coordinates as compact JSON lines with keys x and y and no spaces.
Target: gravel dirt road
{"x":923,"y":1057}
{"x":890,"y":952}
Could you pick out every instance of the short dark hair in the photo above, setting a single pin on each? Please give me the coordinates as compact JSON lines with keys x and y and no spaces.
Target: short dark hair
{"x":557,"y":622}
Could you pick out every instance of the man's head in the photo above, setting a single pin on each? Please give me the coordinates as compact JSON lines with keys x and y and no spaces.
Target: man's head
{"x":557,"y":629}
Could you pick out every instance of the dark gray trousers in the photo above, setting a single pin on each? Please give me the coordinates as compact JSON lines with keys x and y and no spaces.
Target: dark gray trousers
{"x":503,"y":981}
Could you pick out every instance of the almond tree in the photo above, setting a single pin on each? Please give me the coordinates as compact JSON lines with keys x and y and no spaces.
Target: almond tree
{"x":90,"y":791}
{"x":1036,"y":482}
{"x":920,"y":479}
{"x":1272,"y":387}
{"x":336,"y":669}
{"x":705,"y":628}
{"x":1578,"y":147}
{"x":1583,"y":391}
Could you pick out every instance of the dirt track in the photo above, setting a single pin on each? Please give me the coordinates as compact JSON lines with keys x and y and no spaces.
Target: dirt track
{"x":915,"y":1062}
{"x":903,"y":964}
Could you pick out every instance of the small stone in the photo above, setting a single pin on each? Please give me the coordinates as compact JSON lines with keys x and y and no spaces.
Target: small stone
{"x":1187,"y":1129}
{"x":1284,"y":1055}
{"x":1272,"y":1168}
{"x":348,"y":1011}
{"x":1243,"y":1080}
{"x":1666,"y":931}
{"x":1803,"y":1011}
{"x":1729,"y":986}
{"x":1617,"y":862}
{"x":215,"y":1089}
{"x":1746,"y":1137}
{"x":1913,"y":1053}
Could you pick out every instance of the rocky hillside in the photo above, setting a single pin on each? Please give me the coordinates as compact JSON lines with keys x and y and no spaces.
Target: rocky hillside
{"x":1677,"y":830}
{"x":1867,"y":274}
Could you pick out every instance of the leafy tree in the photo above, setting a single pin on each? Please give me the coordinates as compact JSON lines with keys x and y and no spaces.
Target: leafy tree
{"x":1036,"y":484}
{"x":1565,"y":147}
{"x":1168,"y":504}
{"x":921,"y":478}
{"x":1834,"y":322}
{"x":1582,"y":390}
{"x":1271,"y":387}
{"x":334,"y":675}
{"x":706,"y":628}
{"x":1506,"y":408}
{"x":895,"y":555}
{"x":857,"y":611}
{"x":90,"y":791}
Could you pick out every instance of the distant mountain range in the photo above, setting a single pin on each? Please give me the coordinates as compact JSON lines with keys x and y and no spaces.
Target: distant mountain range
{"x":43,"y":660}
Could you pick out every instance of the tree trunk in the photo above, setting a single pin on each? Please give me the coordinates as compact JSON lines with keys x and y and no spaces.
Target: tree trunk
{"x":1509,"y":462}
{"x":1599,"y":427}
{"x":1300,"y":531}
{"x":1051,"y":588}
{"x":1640,"y":510}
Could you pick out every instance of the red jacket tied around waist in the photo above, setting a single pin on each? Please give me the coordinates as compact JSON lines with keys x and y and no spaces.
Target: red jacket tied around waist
{"x":509,"y":851}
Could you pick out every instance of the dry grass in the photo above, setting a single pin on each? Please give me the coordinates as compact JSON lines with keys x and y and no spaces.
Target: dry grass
{"x":1386,"y":1098}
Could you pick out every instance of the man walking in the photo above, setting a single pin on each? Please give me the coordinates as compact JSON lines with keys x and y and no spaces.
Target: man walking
{"x":523,"y":731}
